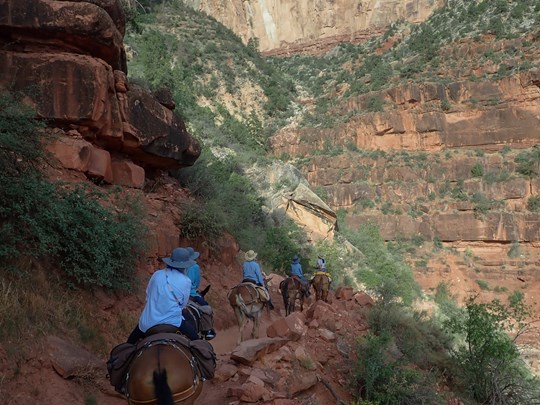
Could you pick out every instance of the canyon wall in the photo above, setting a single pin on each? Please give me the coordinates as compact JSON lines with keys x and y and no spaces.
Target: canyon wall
{"x":291,"y":24}
{"x":67,"y":58}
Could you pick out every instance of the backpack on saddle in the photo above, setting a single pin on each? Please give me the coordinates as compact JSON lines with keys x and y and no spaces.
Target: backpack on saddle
{"x":262,"y":292}
{"x":203,"y":314}
{"x":122,"y":355}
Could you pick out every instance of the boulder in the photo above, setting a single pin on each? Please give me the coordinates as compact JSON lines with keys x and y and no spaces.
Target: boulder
{"x":249,"y":351}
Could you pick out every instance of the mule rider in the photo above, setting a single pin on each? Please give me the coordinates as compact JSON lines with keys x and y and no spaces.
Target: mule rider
{"x":321,"y":268}
{"x":321,"y":264}
{"x":167,"y":294}
{"x":296,"y":271}
{"x":194,"y":274}
{"x":251,"y":273}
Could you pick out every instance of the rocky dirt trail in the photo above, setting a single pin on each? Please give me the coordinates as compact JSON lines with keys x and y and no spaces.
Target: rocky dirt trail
{"x":305,"y":358}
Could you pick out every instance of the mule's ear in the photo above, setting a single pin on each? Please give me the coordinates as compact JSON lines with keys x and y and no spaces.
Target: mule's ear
{"x":269,"y":279}
{"x":203,"y":292}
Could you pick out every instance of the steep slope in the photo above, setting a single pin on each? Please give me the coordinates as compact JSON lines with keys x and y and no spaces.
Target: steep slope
{"x":416,"y":131}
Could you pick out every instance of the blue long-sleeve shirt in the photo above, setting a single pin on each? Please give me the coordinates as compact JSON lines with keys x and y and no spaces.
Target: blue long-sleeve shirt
{"x":296,"y":270}
{"x":167,"y":294}
{"x":252,"y":271}
{"x":194,"y":274}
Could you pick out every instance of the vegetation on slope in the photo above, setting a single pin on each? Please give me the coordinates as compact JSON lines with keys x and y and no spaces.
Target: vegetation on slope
{"x":231,"y":99}
{"x":406,"y":352}
{"x":93,"y":243}
{"x":418,"y":53}
{"x":56,"y":240}
{"x":406,"y":355}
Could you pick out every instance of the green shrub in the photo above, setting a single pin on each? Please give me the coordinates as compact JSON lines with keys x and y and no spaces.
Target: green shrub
{"x":365,"y":203}
{"x":421,"y":264}
{"x":93,"y":242}
{"x":497,"y":176}
{"x":202,"y":221}
{"x":477,"y":170}
{"x":397,"y":361}
{"x":533,"y":203}
{"x":483,"y":285}
{"x":445,"y":188}
{"x":514,"y":250}
{"x":384,"y":270}
{"x":516,"y":298}
{"x":386,"y":208}
{"x":437,"y":243}
{"x":457,"y":191}
{"x":528,"y":162}
{"x":375,"y":104}
{"x":228,"y":201}
{"x":482,"y":205}
{"x":489,"y":367}
{"x":445,"y":300}
{"x":445,"y":105}
{"x":280,"y":244}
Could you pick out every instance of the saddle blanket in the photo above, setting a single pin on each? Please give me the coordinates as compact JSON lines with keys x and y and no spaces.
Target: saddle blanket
{"x":262,"y":292}
{"x":322,"y":273}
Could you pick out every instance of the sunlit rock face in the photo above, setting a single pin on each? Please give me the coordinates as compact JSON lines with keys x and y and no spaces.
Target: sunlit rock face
{"x":297,"y":24}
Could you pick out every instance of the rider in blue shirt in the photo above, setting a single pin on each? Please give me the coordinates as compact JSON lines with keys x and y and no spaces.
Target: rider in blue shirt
{"x":167,"y":294}
{"x":194,"y":274}
{"x":251,"y":272}
{"x":296,"y":270}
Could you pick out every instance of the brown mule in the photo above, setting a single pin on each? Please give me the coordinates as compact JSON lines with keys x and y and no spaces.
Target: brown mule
{"x":247,"y":301}
{"x":321,"y":285}
{"x":292,"y":290}
{"x":163,"y":373}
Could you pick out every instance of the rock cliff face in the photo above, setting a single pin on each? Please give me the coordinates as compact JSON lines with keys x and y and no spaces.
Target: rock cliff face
{"x":298,"y":25}
{"x":68,"y":59}
{"x":506,"y":113}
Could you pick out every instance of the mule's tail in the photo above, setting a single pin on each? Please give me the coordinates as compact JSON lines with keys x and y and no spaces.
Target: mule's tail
{"x":242,"y":305}
{"x":161,"y":388}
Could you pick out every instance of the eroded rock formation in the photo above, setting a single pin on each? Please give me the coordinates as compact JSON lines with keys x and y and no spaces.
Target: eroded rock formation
{"x":68,"y":58}
{"x":506,"y":114}
{"x":287,"y":193}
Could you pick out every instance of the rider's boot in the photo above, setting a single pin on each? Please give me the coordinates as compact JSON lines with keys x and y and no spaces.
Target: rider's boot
{"x":210,"y":334}
{"x":270,"y":305}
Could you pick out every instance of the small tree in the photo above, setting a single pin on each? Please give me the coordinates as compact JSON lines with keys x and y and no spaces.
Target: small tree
{"x":488,"y":362}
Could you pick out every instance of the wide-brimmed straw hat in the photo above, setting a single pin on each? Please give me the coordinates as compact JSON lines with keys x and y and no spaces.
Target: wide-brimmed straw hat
{"x":193,"y":253}
{"x":250,"y":255}
{"x":180,"y":259}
